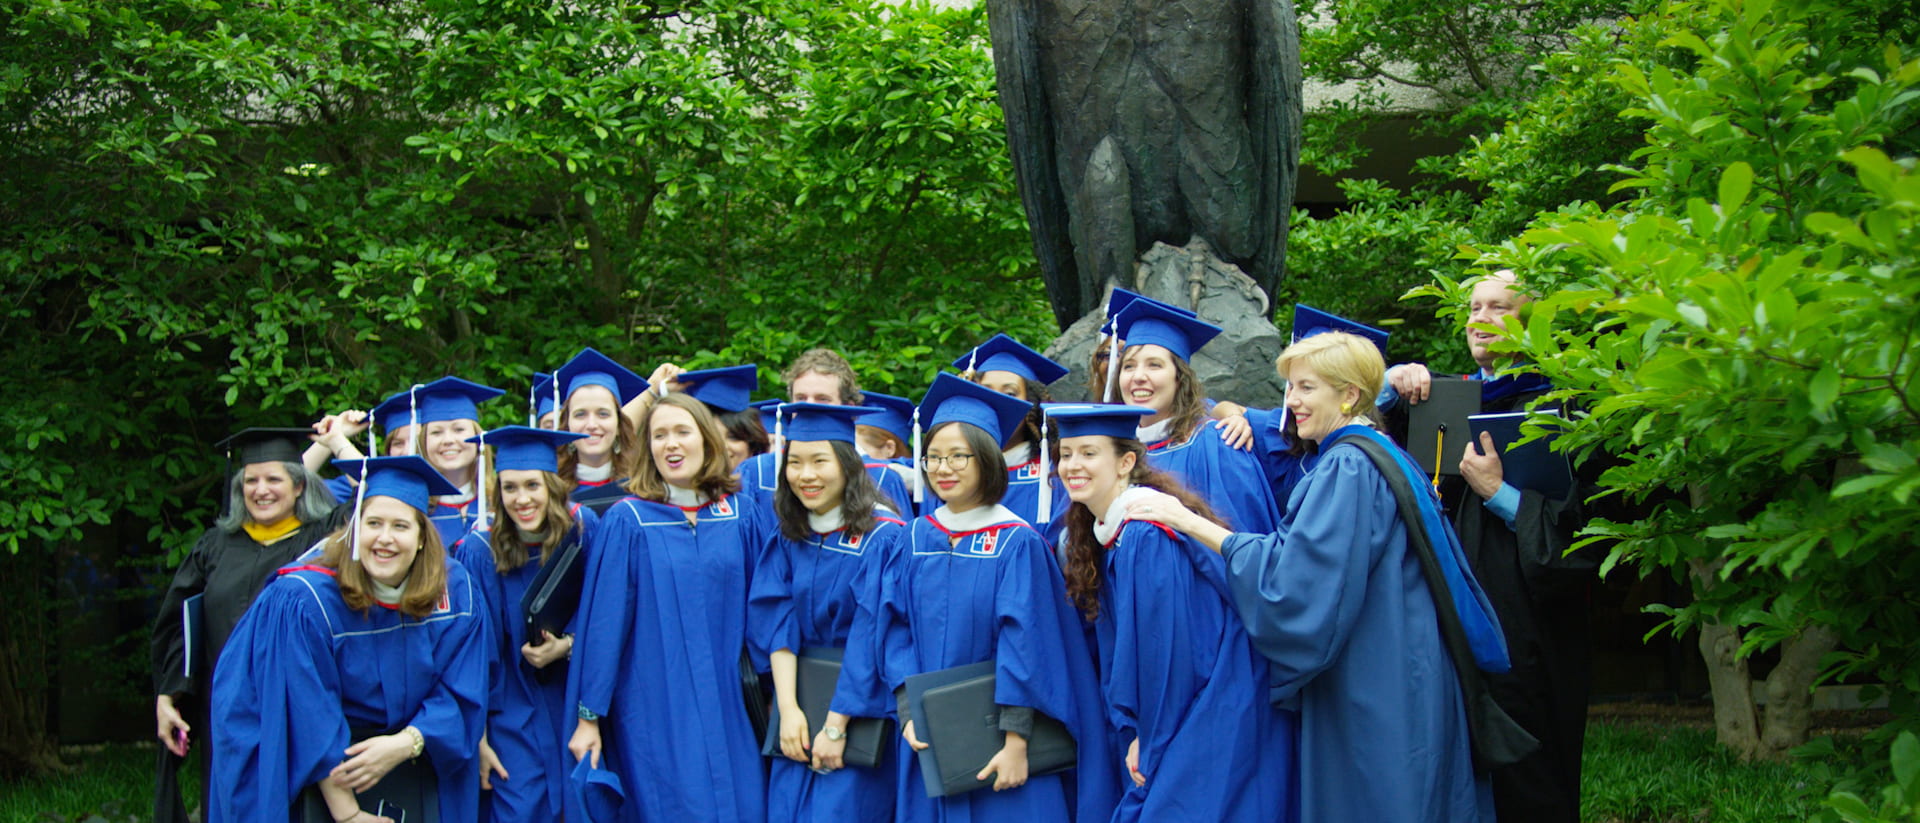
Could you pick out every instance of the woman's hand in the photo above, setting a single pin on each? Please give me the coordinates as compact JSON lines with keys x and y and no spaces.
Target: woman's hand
{"x":1237,"y":432}
{"x":170,"y":726}
{"x":489,"y":764}
{"x":1163,"y":508}
{"x":1482,"y":469}
{"x":665,"y":374}
{"x":1009,"y":766}
{"x":343,"y":807}
{"x":906,"y":731}
{"x":793,"y":733}
{"x":830,"y":754}
{"x":369,"y":760}
{"x":1133,"y":763}
{"x":586,"y":740}
{"x":549,"y":650}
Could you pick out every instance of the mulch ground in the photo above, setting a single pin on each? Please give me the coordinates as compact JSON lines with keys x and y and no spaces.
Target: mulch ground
{"x":1700,"y":715}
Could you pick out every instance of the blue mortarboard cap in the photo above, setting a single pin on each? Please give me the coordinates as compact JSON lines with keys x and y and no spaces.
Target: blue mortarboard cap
{"x":525,"y":448}
{"x":591,"y":368}
{"x":1082,"y":419}
{"x":726,"y":389}
{"x":895,"y":415}
{"x":542,"y":394}
{"x":1119,"y":299}
{"x":952,"y":399}
{"x":1146,"y":322}
{"x":1003,"y":353}
{"x":448,"y":398}
{"x":765,"y":408}
{"x":596,"y":792}
{"x":1309,"y":321}
{"x":820,"y":421}
{"x":410,"y":480}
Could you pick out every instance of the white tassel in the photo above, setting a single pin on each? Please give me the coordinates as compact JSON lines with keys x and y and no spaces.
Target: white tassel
{"x":359,"y":502}
{"x":413,"y":419}
{"x":1113,"y":366}
{"x":533,"y":409}
{"x":1046,"y":476}
{"x":779,"y":445}
{"x":558,"y":423}
{"x":919,"y":476}
{"x":480,"y":485}
{"x":973,"y":360}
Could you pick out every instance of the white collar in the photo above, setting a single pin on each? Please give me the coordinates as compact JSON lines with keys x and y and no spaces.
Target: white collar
{"x":1109,"y":524}
{"x":593,"y":474}
{"x":1154,"y":433}
{"x":978,"y":517}
{"x":685,"y":497}
{"x":390,"y":595}
{"x":831,"y":521}
{"x":463,"y":498}
{"x":859,"y":449}
{"x":1018,"y":455}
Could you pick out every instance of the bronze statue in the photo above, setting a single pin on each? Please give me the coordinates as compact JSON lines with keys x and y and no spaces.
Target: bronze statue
{"x":1136,"y":121}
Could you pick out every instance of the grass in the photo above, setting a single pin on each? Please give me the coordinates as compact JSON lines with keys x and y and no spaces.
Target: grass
{"x":1635,"y":772}
{"x":113,"y":782}
{"x":1642,"y":773}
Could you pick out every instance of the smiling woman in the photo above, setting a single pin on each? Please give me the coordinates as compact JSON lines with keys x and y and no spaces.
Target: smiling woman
{"x":275,"y":510}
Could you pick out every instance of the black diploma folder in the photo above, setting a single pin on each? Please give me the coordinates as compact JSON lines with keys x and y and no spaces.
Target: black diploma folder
{"x":818,"y":674}
{"x":956,"y":716}
{"x":1438,"y":427}
{"x":1533,"y":466}
{"x":409,"y":793}
{"x":554,"y":595}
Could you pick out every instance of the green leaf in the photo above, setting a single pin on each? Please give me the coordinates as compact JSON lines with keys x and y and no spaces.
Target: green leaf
{"x":1823,"y":390}
{"x":1906,"y":761}
{"x":1735,"y":182}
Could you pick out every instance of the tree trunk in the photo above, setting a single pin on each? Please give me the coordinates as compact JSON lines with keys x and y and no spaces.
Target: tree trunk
{"x":1735,"y":720}
{"x":1789,"y":690}
{"x":26,"y":746}
{"x":1740,"y":723}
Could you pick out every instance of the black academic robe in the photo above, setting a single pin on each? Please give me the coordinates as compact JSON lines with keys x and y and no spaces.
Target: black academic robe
{"x":1543,"y":598}
{"x":230,"y":569}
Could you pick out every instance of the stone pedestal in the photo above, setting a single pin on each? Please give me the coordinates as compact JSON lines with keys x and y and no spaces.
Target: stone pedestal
{"x":1236,"y":366}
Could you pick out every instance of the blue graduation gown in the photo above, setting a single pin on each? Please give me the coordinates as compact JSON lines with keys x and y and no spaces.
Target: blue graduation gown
{"x":805,"y":596}
{"x":302,"y":670}
{"x":1282,"y":468}
{"x":1179,"y":674}
{"x":1336,"y":602}
{"x":1219,"y":473}
{"x":452,"y":521}
{"x":528,"y":722}
{"x":658,"y":660}
{"x":996,"y":594}
{"x":1023,"y":494}
{"x":599,"y":496}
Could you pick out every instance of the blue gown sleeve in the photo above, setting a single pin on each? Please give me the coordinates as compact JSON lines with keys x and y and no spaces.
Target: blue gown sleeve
{"x":771,"y":625}
{"x":1300,"y":589}
{"x":476,"y":548}
{"x":1156,"y":603}
{"x":276,"y":714}
{"x":863,"y":689}
{"x":452,"y":717}
{"x":600,"y":646}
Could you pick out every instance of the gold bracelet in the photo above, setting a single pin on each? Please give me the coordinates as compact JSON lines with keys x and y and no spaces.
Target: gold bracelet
{"x":419,"y":741}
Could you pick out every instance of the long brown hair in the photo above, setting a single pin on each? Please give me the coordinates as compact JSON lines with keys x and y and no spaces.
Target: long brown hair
{"x":508,"y":552}
{"x":716,"y":478}
{"x":626,"y":445}
{"x":1085,"y":554}
{"x":426,"y":582}
{"x":1189,"y":407}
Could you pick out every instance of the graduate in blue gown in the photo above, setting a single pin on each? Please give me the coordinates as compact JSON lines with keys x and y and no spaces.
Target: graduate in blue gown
{"x":658,"y":656}
{"x":885,"y":439}
{"x":1336,"y":601}
{"x":1010,"y":368}
{"x":523,"y":755}
{"x":1185,"y":690}
{"x":594,"y":391}
{"x":974,"y":583}
{"x":442,"y":415}
{"x":376,"y":637}
{"x":1181,"y":440}
{"x":834,"y":529}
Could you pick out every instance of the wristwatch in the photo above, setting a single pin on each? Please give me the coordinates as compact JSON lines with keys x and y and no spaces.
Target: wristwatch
{"x":834,"y":733}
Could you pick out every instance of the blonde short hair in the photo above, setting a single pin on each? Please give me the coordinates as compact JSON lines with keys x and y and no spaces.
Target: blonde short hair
{"x":1342,"y":360}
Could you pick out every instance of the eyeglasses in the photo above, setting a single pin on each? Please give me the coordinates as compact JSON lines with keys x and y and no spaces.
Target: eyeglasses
{"x":957,"y":462}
